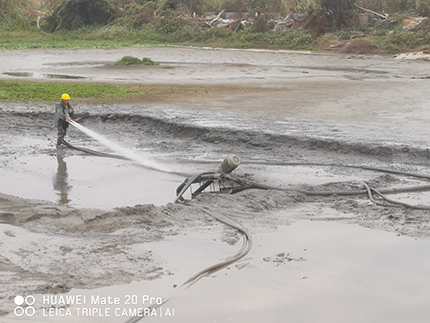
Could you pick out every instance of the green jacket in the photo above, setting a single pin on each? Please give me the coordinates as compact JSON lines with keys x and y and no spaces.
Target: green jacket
{"x":61,"y":112}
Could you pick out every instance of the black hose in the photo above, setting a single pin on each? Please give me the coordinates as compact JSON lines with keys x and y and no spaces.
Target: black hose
{"x":246,"y":247}
{"x":416,"y":207}
{"x":376,"y":169}
{"x":252,"y":184}
{"x":370,"y":168}
{"x":94,"y":152}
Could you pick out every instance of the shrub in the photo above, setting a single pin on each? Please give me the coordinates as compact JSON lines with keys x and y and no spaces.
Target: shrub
{"x":292,"y":38}
{"x":134,"y":61}
{"x":148,"y":62}
{"x":135,"y":15}
{"x":12,"y":15}
{"x":424,"y":8}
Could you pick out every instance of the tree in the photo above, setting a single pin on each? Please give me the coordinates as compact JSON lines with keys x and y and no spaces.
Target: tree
{"x":74,"y":14}
{"x":189,"y":6}
{"x":423,"y":7}
{"x":263,"y":6}
{"x":234,"y":5}
{"x":12,"y":14}
{"x":389,"y":6}
{"x":340,"y":11}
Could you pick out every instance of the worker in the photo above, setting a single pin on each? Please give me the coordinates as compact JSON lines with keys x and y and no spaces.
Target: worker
{"x":63,"y":114}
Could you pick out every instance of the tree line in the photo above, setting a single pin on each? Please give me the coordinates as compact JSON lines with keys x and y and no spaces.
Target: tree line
{"x":14,"y":14}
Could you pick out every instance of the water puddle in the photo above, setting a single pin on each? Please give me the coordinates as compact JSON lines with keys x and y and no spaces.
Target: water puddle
{"x":310,"y":271}
{"x":19,"y":74}
{"x":41,"y":75}
{"x":349,"y":70}
{"x":83,"y":64}
{"x":63,"y":76}
{"x":337,"y":273}
{"x":87,"y":181}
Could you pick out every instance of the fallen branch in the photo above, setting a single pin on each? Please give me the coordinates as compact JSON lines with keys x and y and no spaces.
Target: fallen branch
{"x":370,"y":11}
{"x":217,"y":18}
{"x":38,"y":22}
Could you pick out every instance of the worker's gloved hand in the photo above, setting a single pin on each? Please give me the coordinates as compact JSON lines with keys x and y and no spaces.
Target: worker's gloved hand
{"x":68,"y":119}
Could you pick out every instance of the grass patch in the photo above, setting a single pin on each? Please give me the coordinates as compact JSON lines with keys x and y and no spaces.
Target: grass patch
{"x":51,"y":92}
{"x":35,"y":39}
{"x":83,"y":93}
{"x":134,"y":61}
{"x":122,"y":36}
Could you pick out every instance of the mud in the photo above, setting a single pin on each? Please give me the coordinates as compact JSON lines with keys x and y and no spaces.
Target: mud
{"x":71,"y":223}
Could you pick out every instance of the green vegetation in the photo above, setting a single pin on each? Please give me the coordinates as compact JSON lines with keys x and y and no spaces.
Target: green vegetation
{"x":49,"y":92}
{"x":105,"y":93}
{"x":116,"y":36}
{"x":13,"y":15}
{"x":74,"y":14}
{"x":134,"y":61}
{"x":124,"y":23}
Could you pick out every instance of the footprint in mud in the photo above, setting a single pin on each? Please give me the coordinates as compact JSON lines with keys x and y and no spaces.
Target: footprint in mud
{"x":282,"y":258}
{"x":9,"y":233}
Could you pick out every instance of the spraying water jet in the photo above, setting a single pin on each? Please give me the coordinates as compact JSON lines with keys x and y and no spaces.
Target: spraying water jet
{"x":218,"y":180}
{"x":122,"y":151}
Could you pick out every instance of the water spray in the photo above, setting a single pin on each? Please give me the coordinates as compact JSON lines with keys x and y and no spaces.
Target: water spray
{"x":127,"y":153}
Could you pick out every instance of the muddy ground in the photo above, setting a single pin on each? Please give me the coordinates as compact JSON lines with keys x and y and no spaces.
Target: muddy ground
{"x":281,"y":113}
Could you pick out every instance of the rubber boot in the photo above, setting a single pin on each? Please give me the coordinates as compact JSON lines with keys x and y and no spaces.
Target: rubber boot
{"x":60,"y":138}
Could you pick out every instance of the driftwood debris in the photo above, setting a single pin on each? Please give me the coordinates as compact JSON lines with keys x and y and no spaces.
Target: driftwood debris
{"x":370,"y":11}
{"x":215,"y":21}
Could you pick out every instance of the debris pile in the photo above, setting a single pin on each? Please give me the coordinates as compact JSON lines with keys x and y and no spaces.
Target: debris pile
{"x":415,"y":23}
{"x":238,"y":21}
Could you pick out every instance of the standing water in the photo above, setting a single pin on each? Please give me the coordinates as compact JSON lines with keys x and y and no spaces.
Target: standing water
{"x":144,"y":161}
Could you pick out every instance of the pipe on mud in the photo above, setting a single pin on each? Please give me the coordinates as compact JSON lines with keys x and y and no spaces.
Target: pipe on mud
{"x":251,"y":184}
{"x":246,"y":247}
{"x":226,"y":167}
{"x":93,"y":152}
{"x":371,"y":190}
{"x":244,"y":250}
{"x":375,"y":169}
{"x":230,"y":163}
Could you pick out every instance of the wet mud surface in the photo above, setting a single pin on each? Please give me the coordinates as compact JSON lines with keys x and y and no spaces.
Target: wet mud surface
{"x":73,"y":223}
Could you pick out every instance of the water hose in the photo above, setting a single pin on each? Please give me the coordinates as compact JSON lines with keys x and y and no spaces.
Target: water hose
{"x":247,"y":241}
{"x":372,"y":190}
{"x":367,"y":190}
{"x":246,"y":247}
{"x":93,"y":152}
{"x":252,"y":184}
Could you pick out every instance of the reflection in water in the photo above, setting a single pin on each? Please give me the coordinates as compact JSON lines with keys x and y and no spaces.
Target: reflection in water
{"x":60,"y":179}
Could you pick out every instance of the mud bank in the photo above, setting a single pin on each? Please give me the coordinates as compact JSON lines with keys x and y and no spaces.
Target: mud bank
{"x":113,"y":246}
{"x":55,"y":242}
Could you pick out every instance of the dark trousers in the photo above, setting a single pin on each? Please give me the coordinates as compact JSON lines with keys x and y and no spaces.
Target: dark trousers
{"x":62,"y":130}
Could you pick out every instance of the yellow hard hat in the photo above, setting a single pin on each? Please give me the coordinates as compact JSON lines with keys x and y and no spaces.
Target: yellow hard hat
{"x":65,"y":96}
